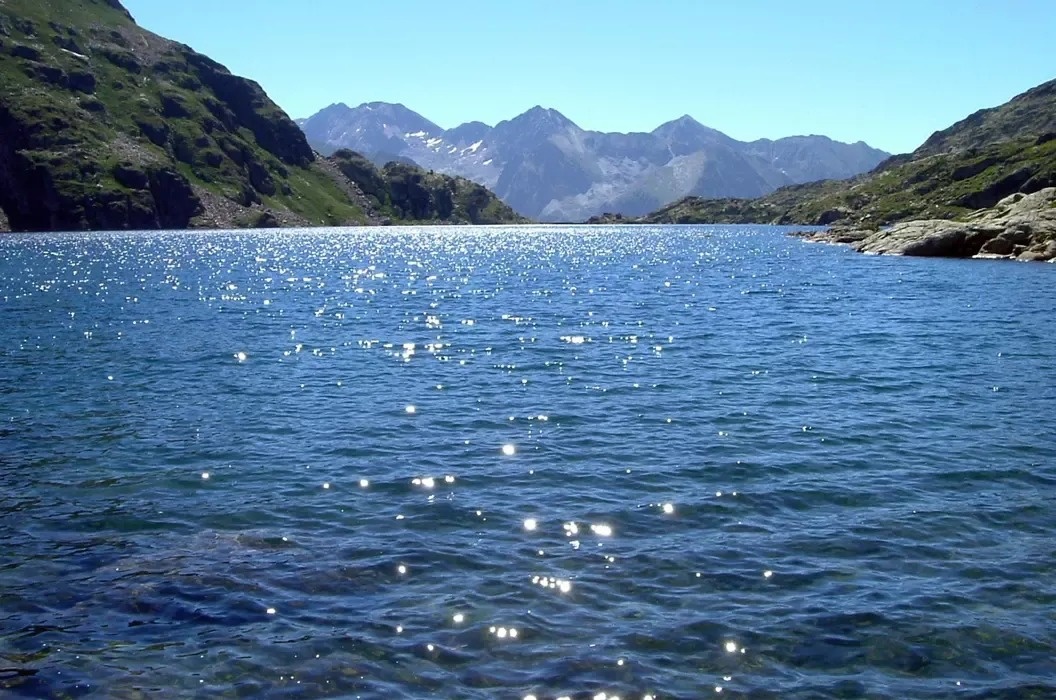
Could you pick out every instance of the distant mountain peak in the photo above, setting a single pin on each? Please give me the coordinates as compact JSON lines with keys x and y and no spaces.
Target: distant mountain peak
{"x":389,"y":109}
{"x":335,"y":108}
{"x":686,"y":135}
{"x":682,"y":125}
{"x":545,"y":115}
{"x":393,"y":115}
{"x":468,"y":133}
{"x":394,"y":106}
{"x":472,"y":124}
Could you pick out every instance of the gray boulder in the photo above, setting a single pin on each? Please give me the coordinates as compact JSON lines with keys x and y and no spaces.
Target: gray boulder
{"x":1040,"y":252}
{"x":925,"y":238}
{"x":1020,"y":226}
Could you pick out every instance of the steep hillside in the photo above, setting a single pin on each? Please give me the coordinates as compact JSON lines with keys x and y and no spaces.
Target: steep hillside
{"x":104,"y":125}
{"x":408,"y":194}
{"x":547,"y":167}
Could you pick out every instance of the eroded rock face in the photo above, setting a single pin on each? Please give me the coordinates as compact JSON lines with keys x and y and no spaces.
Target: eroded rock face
{"x":175,"y":201}
{"x":1020,"y":226}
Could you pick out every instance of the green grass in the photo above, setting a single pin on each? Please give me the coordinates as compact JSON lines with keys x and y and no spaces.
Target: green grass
{"x":947,"y":186}
{"x":317,"y":198}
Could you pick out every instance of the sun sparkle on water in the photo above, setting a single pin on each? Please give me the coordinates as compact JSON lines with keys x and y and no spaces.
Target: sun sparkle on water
{"x":407,"y":440}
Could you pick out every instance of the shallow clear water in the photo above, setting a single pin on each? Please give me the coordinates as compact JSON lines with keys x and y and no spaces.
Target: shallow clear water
{"x":502,"y":462}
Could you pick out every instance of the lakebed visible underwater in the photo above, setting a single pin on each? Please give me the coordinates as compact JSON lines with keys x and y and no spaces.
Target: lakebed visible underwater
{"x":679,"y":462}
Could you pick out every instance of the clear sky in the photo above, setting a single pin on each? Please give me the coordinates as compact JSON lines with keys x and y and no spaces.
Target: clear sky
{"x":889,"y":72}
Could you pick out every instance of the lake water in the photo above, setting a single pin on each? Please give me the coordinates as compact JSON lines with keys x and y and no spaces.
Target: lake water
{"x":682,"y":462}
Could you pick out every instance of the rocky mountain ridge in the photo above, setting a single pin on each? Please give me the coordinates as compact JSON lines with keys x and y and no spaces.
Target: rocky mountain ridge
{"x":104,"y":125}
{"x":547,"y":167}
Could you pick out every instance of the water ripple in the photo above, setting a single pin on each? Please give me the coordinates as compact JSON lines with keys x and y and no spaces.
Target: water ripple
{"x":551,"y":462}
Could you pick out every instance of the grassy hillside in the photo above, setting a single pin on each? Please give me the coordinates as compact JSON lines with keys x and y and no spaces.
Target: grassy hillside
{"x":104,"y":125}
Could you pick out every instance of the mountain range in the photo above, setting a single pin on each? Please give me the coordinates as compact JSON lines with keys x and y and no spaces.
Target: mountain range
{"x":548,"y":168}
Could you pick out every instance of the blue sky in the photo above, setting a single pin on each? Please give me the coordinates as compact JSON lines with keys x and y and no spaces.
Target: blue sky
{"x":889,"y":72}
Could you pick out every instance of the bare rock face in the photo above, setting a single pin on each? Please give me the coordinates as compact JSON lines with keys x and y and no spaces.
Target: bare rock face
{"x":1020,"y":226}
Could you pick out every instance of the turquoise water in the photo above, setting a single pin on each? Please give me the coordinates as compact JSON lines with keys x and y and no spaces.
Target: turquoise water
{"x":682,"y":462}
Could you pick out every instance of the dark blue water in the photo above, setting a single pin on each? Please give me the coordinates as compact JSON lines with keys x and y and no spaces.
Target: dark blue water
{"x":504,"y":463}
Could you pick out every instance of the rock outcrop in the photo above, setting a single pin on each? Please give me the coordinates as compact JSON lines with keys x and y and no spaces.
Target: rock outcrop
{"x":1020,"y":227}
{"x":116,"y":4}
{"x":407,"y":193}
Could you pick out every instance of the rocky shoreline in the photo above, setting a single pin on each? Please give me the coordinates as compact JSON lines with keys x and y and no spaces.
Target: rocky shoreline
{"x":1019,"y":227}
